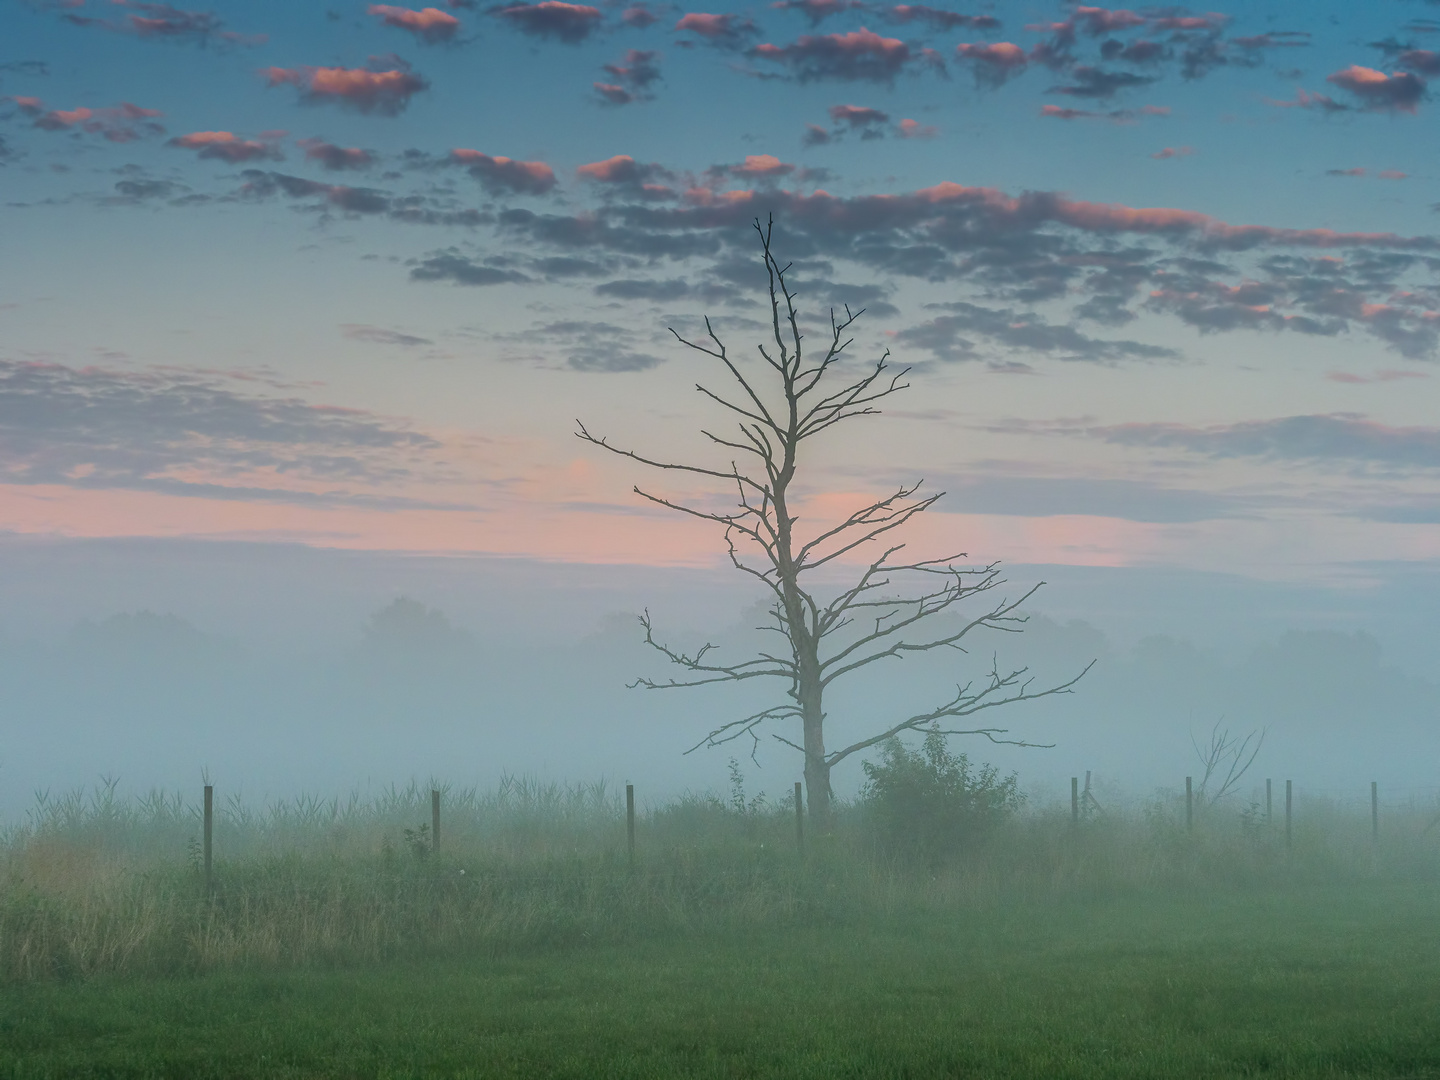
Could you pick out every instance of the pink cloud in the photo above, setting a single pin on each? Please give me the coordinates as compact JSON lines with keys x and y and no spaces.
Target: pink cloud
{"x":727,"y":29}
{"x":503,"y":173}
{"x":383,"y":92}
{"x":638,"y":16}
{"x":162,"y":22}
{"x":994,"y":63}
{"x":1172,"y":152}
{"x":1210,"y":22}
{"x":570,"y":23}
{"x":857,"y":116}
{"x":859,"y":55}
{"x":1392,"y":174}
{"x":123,"y":123}
{"x":226,"y":146}
{"x":620,"y":169}
{"x":1306,"y":100}
{"x":1097,"y":20}
{"x":913,"y":129}
{"x":335,"y":157}
{"x":428,"y":24}
{"x":765,"y":166}
{"x":624,"y":171}
{"x":1400,"y":92}
{"x":614,"y":93}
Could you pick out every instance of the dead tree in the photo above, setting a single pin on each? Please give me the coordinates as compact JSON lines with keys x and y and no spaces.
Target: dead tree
{"x":1226,"y":759}
{"x":868,"y":621}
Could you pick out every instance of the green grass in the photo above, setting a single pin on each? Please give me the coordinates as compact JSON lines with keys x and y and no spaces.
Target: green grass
{"x":1262,"y":981}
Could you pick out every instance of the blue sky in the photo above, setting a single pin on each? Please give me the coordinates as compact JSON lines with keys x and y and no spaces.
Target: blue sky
{"x":1168,"y":280}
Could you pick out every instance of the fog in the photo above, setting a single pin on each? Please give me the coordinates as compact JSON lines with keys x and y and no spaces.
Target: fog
{"x":277,"y":669}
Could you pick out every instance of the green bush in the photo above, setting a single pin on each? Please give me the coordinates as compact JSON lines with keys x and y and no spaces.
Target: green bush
{"x":930,"y":804}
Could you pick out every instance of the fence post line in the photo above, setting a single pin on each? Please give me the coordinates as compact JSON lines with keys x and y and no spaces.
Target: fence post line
{"x":1189,"y":806}
{"x":1074,"y":800}
{"x":434,"y":819}
{"x":1268,"y":816}
{"x":1289,"y":802}
{"x":799,"y":819}
{"x":209,"y":838}
{"x":630,"y":821}
{"x":1374,"y":812}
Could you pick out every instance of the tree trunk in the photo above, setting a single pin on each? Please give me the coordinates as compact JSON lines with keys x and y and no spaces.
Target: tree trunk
{"x":812,"y":716}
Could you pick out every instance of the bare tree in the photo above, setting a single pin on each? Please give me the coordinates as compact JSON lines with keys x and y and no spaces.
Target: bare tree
{"x":1225,"y":759}
{"x":862,"y":624}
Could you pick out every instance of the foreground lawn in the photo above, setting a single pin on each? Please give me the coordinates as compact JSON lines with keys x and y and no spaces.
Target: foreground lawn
{"x":1342,"y":982}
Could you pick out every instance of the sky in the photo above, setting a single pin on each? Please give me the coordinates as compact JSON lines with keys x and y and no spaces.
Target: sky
{"x":342,"y":278}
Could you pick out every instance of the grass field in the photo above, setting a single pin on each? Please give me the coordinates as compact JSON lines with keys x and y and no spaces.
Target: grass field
{"x":1305,"y":982}
{"x":336,"y":943}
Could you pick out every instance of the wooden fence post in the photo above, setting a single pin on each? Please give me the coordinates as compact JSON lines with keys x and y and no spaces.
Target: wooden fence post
{"x":434,"y":819}
{"x":1189,"y":807}
{"x":1374,"y":812}
{"x":1289,"y":803}
{"x":630,"y":820}
{"x":209,"y":838}
{"x":1074,"y":800}
{"x":799,"y":819}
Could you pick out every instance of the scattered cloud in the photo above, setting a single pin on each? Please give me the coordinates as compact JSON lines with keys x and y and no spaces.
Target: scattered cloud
{"x":451,"y":266}
{"x":1420,"y":61}
{"x":1094,"y":82}
{"x":945,"y":337}
{"x":430,"y":25}
{"x":1172,"y":152}
{"x":1306,"y":100}
{"x":1378,"y":377}
{"x":859,"y":56}
{"x":158,"y":22}
{"x":185,"y":431}
{"x":594,"y":347}
{"x":637,"y":289}
{"x":228,"y":147}
{"x":385,"y":93}
{"x":818,"y":10}
{"x":1333,"y":437}
{"x":938,"y":18}
{"x":1400,"y":92}
{"x":336,"y":158}
{"x":570,"y":23}
{"x":120,"y":124}
{"x":727,"y":31}
{"x":913,"y":129}
{"x":260,"y":184}
{"x":623,"y":172}
{"x":857,"y":117}
{"x":993,"y":63}
{"x":376,"y":335}
{"x":501,"y":174}
{"x":633,"y":74}
{"x":639,"y":16}
{"x":1113,"y":116}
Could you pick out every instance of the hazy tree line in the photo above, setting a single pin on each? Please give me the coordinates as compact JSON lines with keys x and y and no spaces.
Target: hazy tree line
{"x":154,"y":698}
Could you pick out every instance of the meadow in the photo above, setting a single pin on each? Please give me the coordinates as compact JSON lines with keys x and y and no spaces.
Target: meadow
{"x":338,"y":942}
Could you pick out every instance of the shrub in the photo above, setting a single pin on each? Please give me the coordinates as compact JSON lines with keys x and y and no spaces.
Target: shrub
{"x":930,"y":803}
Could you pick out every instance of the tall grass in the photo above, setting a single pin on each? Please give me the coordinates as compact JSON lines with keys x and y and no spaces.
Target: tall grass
{"x":92,"y":882}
